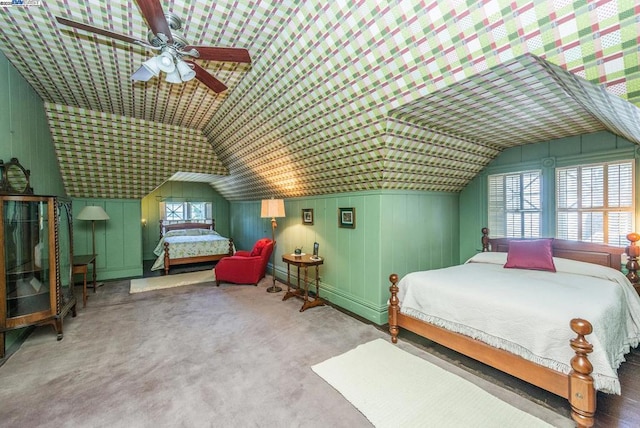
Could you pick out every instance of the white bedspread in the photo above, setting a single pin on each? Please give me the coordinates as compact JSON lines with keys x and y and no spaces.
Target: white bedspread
{"x":527,"y":312}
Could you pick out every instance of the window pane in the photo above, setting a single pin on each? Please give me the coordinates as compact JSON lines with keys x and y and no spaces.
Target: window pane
{"x":567,"y":191}
{"x":174,"y":211}
{"x":620,"y":185}
{"x":593,"y":227}
{"x":531,"y":225}
{"x":567,"y":226}
{"x":592,"y":187}
{"x":197,"y":211}
{"x":619,"y":225}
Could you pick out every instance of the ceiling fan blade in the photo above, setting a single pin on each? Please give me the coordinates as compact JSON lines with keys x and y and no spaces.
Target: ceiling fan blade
{"x":221,"y":54}
{"x":206,"y":78}
{"x":96,"y":30}
{"x":153,"y":14}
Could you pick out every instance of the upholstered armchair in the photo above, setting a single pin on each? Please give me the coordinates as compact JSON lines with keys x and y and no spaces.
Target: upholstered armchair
{"x":245,"y":267}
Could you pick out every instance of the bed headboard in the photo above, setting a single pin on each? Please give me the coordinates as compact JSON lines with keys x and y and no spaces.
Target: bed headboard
{"x":589,"y":252}
{"x":167,"y":226}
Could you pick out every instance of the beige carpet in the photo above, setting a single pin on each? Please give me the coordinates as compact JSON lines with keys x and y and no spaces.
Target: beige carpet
{"x":170,"y":281}
{"x":394,"y":388}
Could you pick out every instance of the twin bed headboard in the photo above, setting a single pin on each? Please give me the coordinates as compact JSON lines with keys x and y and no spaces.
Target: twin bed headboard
{"x":167,"y":226}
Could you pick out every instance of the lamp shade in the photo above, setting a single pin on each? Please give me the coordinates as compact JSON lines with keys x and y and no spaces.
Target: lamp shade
{"x":93,"y":212}
{"x":151,"y":65}
{"x":173,"y":77}
{"x":272,"y":208}
{"x":165,"y":62}
{"x":186,"y":72}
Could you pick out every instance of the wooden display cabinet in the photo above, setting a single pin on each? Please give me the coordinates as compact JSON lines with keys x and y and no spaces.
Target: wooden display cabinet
{"x":36,"y":282}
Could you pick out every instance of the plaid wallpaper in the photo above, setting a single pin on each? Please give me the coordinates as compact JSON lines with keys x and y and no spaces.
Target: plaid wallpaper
{"x":340,"y":96}
{"x":107,"y":156}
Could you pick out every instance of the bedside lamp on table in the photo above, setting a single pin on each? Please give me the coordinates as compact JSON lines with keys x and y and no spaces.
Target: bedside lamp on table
{"x":93,"y":213}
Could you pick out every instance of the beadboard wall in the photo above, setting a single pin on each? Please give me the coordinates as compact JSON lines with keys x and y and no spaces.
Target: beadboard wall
{"x":396,"y":232}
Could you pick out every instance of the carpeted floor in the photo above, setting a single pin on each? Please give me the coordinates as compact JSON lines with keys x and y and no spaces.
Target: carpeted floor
{"x":197,"y":355}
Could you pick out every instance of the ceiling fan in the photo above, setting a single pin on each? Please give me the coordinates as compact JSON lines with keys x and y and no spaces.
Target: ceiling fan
{"x":172,"y":48}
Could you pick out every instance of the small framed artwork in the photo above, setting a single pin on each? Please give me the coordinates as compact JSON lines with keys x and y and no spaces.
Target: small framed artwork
{"x":307,"y":216}
{"x":347,"y":218}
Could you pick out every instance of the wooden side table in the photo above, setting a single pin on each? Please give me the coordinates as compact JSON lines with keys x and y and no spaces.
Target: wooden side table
{"x":81,"y":266}
{"x":303,"y":261}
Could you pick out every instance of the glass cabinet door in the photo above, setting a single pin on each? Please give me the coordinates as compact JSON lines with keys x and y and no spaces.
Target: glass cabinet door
{"x":27,"y":269}
{"x":65,"y":254}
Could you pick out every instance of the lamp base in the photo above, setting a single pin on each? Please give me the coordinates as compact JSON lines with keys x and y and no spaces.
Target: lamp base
{"x":274,"y":289}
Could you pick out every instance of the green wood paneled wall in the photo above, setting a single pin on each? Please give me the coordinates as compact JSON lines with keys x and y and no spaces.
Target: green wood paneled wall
{"x":24,"y":131}
{"x":547,"y":155}
{"x":118,"y":240}
{"x":396,"y":232}
{"x":179,"y":191}
{"x":24,"y":134}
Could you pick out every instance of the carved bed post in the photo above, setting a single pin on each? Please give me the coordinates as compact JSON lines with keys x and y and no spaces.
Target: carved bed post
{"x":394,"y":308}
{"x":167,"y":261}
{"x":633,"y":252}
{"x":582,"y":394}
{"x":161,"y":227}
{"x":231,"y":246}
{"x":485,"y":239}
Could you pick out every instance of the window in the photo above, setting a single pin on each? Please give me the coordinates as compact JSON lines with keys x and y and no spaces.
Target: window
{"x":515,"y":204}
{"x":186,"y":211}
{"x":595,"y":202}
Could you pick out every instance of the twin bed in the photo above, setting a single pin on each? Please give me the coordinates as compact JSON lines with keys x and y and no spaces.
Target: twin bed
{"x":188,"y":242}
{"x":557,"y":314}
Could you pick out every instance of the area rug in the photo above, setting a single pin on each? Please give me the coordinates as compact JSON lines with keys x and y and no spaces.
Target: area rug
{"x":170,"y":281}
{"x":393,"y":388}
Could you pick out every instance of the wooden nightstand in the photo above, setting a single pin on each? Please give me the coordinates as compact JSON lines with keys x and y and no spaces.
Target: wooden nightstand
{"x":303,"y":261}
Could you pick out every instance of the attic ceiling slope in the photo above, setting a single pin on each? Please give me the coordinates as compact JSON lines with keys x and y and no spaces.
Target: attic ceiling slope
{"x":103,"y":155}
{"x":315,"y":112}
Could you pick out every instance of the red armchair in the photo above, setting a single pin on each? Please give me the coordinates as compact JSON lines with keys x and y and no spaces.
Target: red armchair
{"x":245,"y":267}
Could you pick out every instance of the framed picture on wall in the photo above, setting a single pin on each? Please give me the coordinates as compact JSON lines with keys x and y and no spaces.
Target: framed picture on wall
{"x":307,"y":216}
{"x":347,"y":218}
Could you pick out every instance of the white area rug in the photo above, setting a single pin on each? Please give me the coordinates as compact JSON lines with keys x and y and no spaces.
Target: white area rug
{"x":170,"y":281}
{"x":394,"y":388}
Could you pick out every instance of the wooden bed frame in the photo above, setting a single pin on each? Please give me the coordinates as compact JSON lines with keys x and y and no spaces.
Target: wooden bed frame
{"x":577,"y":386}
{"x":168,"y":261}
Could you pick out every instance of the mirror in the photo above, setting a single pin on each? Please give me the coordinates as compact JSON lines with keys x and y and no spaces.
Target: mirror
{"x":15,"y":179}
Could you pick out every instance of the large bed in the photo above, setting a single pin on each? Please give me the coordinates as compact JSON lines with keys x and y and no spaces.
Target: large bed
{"x":564,"y":328}
{"x":190,"y":242}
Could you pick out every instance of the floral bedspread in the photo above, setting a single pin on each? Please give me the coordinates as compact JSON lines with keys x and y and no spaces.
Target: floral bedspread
{"x":182,"y":245}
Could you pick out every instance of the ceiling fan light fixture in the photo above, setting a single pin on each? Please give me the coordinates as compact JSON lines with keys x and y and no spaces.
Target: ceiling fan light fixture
{"x":166,"y":62}
{"x":186,"y":72}
{"x":173,"y":77}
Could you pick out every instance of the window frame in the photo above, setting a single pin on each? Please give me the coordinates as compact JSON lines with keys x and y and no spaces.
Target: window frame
{"x":500,"y":227}
{"x":582,"y":211}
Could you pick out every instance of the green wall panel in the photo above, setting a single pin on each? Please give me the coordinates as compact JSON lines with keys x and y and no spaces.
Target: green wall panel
{"x":395,"y":232}
{"x":24,"y":131}
{"x":118,"y":240}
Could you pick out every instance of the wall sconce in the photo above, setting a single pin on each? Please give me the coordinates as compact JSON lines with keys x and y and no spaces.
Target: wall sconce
{"x":144,"y":222}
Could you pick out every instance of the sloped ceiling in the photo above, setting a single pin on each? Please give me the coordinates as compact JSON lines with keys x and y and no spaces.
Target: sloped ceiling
{"x":340,"y":96}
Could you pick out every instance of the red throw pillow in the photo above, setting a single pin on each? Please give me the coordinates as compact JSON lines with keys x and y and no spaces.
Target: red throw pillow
{"x":257,"y":249}
{"x":534,"y":254}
